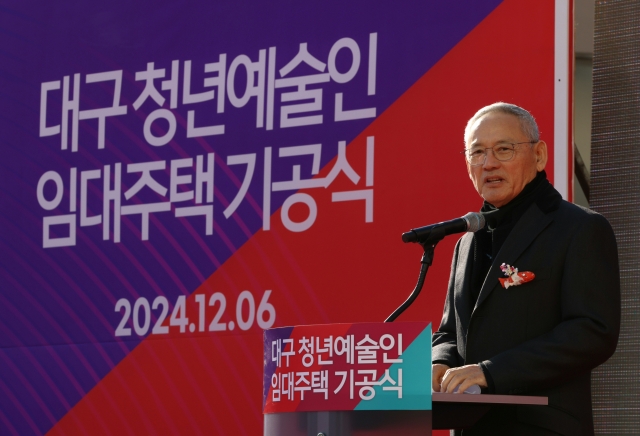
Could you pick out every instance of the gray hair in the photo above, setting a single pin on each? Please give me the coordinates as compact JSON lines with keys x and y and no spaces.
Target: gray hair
{"x":527,"y":122}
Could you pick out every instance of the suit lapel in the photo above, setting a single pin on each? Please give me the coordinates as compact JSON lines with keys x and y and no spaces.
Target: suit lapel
{"x":462,"y":280}
{"x":521,"y":236}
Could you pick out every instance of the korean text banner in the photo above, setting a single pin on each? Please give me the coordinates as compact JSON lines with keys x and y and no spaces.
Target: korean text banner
{"x":369,"y":366}
{"x":178,"y":176}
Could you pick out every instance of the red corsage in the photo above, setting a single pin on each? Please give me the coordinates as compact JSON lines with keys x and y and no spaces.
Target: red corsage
{"x":514,"y":278}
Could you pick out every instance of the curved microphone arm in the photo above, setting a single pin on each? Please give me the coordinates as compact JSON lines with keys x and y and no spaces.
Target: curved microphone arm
{"x":427,"y":260}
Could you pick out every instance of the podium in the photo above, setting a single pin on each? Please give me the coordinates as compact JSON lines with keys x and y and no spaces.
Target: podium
{"x":450,"y":411}
{"x":368,"y":379}
{"x":463,"y":411}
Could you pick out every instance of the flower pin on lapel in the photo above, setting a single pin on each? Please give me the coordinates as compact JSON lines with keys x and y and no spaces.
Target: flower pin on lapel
{"x":514,"y":278}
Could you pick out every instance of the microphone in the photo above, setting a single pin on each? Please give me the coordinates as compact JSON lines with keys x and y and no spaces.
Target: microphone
{"x":471,"y":222}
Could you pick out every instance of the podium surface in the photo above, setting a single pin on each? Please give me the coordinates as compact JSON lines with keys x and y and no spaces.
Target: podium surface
{"x":464,"y":410}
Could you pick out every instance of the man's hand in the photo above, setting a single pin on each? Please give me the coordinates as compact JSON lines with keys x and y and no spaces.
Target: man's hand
{"x":437,"y":372}
{"x":462,"y":378}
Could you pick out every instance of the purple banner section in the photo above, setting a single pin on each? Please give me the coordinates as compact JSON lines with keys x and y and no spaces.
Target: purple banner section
{"x":271,"y":365}
{"x":61,"y":64}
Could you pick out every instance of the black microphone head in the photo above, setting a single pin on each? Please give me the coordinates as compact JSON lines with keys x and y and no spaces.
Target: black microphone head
{"x":475,"y":221}
{"x":409,"y":236}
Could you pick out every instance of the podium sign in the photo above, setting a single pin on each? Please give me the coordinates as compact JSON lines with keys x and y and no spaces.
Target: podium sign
{"x":363,"y":366}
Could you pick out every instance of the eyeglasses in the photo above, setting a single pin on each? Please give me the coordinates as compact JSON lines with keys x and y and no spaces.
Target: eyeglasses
{"x":503,"y":152}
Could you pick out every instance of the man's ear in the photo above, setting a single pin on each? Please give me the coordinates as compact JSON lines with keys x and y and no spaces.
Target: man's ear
{"x":540,"y":150}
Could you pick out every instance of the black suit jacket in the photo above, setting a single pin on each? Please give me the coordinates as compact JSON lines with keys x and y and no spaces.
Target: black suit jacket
{"x":543,"y":337}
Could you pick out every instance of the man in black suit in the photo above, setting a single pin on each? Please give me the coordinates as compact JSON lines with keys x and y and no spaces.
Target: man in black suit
{"x":539,"y":336}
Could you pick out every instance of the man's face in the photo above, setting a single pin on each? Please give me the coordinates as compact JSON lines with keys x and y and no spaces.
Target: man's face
{"x":500,"y":182}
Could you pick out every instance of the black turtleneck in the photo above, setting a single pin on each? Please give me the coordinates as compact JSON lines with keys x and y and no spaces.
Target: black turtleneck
{"x":500,"y":222}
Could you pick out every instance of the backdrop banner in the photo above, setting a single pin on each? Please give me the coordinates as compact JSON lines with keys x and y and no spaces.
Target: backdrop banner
{"x":179,"y":176}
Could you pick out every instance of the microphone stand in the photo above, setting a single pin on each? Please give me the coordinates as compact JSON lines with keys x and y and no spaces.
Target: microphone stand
{"x":428,"y":243}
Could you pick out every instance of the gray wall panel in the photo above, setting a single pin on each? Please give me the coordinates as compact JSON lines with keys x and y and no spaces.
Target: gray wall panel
{"x":615,"y":193}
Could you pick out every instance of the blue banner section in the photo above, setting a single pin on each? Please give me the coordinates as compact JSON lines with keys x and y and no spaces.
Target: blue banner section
{"x":412,"y":375}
